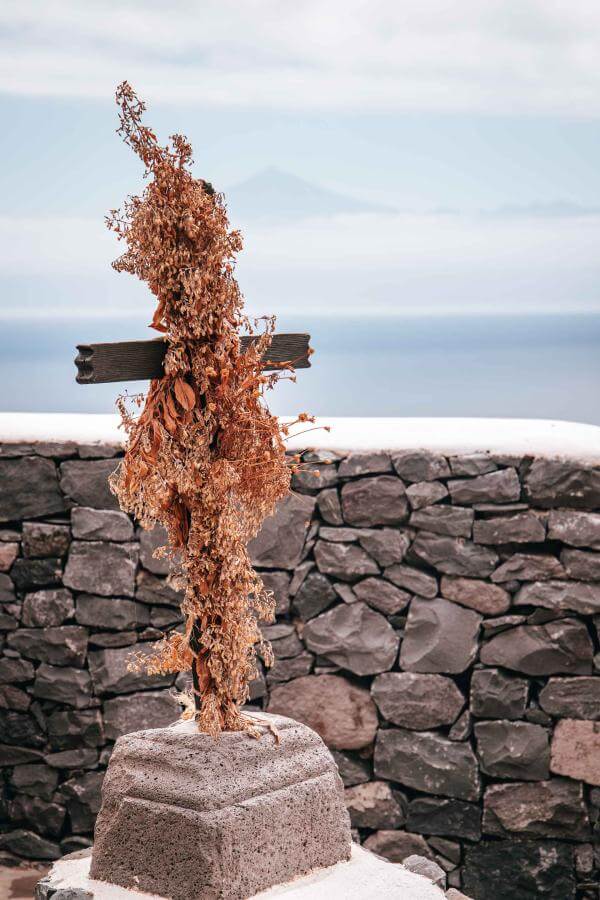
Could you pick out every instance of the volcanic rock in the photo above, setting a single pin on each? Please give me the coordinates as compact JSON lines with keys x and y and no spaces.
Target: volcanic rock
{"x":560,"y":646}
{"x":138,"y":712}
{"x":63,"y":684}
{"x":97,"y":567}
{"x":530,"y":868}
{"x":29,"y":574}
{"x":417,"y":702}
{"x":497,"y":695}
{"x":380,"y":500}
{"x":28,"y":487}
{"x":386,"y":545}
{"x":425,"y":493}
{"x":328,"y":502}
{"x":439,"y":637}
{"x":581,"y":564}
{"x":571,"y":698}
{"x":413,"y":580}
{"x":373,"y":462}
{"x":70,"y":728}
{"x":373,"y":805}
{"x":438,"y":815}
{"x":62,"y":646}
{"x":455,"y":521}
{"x":487,"y":599}
{"x":46,"y":608}
{"x":579,"y":529}
{"x":381,"y":595}
{"x":106,"y":612}
{"x":353,"y":769}
{"x":524,"y":528}
{"x":90,"y":524}
{"x":555,"y":482}
{"x":472,"y":464}
{"x":315,"y":594}
{"x":344,"y":561}
{"x":355,"y":637}
{"x":420,"y":465}
{"x":553,"y":808}
{"x":513,"y":750}
{"x":575,"y":750}
{"x":454,"y":556}
{"x":397,"y":845}
{"x":86,"y":482}
{"x":529,"y":567}
{"x":561,"y":595}
{"x":111,"y":675}
{"x":496,"y":487}
{"x":41,"y":539}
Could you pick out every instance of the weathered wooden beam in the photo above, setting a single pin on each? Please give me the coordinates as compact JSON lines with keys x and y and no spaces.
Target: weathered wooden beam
{"x":142,"y":360}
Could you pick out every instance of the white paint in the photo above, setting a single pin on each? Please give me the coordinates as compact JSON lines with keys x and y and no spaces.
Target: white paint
{"x":364,"y":877}
{"x":537,"y":437}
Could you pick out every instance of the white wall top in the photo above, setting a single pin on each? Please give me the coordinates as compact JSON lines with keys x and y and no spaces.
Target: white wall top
{"x":534,"y":437}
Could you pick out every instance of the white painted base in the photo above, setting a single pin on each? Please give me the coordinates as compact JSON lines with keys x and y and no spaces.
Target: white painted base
{"x":364,"y":877}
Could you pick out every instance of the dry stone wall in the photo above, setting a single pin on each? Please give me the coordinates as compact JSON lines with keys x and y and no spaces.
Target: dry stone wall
{"x":437,"y":623}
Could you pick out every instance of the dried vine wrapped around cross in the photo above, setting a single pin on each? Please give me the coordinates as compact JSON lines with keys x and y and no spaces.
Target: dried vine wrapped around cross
{"x":204,"y":456}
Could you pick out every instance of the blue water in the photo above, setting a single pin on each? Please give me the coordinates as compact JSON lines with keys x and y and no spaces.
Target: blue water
{"x":527,"y":366}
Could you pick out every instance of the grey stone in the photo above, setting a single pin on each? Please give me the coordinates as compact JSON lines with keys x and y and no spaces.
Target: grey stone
{"x":517,"y":750}
{"x":561,"y":595}
{"x":86,"y":483}
{"x":373,"y":805}
{"x":82,"y":794}
{"x":98,"y":451}
{"x":503,"y":623}
{"x":156,"y":591}
{"x":426,"y":868}
{"x":427,"y":762}
{"x":41,"y":539}
{"x":381,"y":595}
{"x":64,"y":645}
{"x":425,"y":493}
{"x":315,"y":595}
{"x":450,"y":849}
{"x":472,"y":464}
{"x":72,"y":728}
{"x":98,"y":567}
{"x":462,"y":728}
{"x":523,"y":528}
{"x":340,"y":535}
{"x":496,"y":487}
{"x":529,"y":567}
{"x":46,"y":817}
{"x":46,"y":608}
{"x":28,"y":487}
{"x":345,"y":592}
{"x":15,"y":756}
{"x":420,"y":465}
{"x":90,"y":524}
{"x":313,"y":477}
{"x":328,"y":503}
{"x":35,"y":779}
{"x":344,"y":561}
{"x":397,"y":845}
{"x":29,"y":844}
{"x":106,"y":639}
{"x":20,"y":729}
{"x":581,"y":564}
{"x":278,"y":583}
{"x":387,"y":546}
{"x":455,"y":521}
{"x":8,"y":554}
{"x":258,"y":791}
{"x":149,"y":542}
{"x":571,"y":698}
{"x":413,"y":580}
{"x":546,"y":809}
{"x":417,"y":702}
{"x":380,"y":500}
{"x":560,"y":646}
{"x":579,"y":529}
{"x":373,"y":462}
{"x":575,"y":750}
{"x":454,"y":556}
{"x":293,"y":667}
{"x":104,"y":612}
{"x":78,"y":758}
{"x":497,"y":695}
{"x":111,"y":675}
{"x":341,"y":712}
{"x":7,"y":589}
{"x":284,"y":640}
{"x":529,"y":869}
{"x":439,"y":637}
{"x":64,"y":685}
{"x":354,"y":637}
{"x":352,"y":768}
{"x":280,"y":541}
{"x":487,"y":599}
{"x":29,"y":574}
{"x":438,"y":815}
{"x":15,"y":670}
{"x":556,"y":482}
{"x":138,"y":712}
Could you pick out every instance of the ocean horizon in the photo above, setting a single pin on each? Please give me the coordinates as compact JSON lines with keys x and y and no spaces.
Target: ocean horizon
{"x":523,"y":366}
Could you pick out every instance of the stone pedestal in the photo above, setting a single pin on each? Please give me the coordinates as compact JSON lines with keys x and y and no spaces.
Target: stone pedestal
{"x":185,"y":815}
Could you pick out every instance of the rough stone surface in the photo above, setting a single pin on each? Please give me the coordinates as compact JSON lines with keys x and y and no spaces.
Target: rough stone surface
{"x":425,"y":493}
{"x":581,"y":564}
{"x":328,"y":503}
{"x":279,"y":584}
{"x":454,"y":521}
{"x":498,"y":695}
{"x":440,"y":815}
{"x":352,"y":768}
{"x":86,"y":482}
{"x":381,"y":595}
{"x":487,"y":599}
{"x":427,"y":868}
{"x":528,"y":869}
{"x":427,"y":762}
{"x":420,"y":465}
{"x":289,"y":790}
{"x":543,"y":809}
{"x":341,"y":712}
{"x":28,"y":487}
{"x":374,"y":501}
{"x":454,"y":556}
{"x":110,"y":671}
{"x":63,"y":684}
{"x":373,"y":805}
{"x":572,"y":596}
{"x":138,"y":712}
{"x":30,"y":574}
{"x":45,"y":608}
{"x":344,"y":561}
{"x":315,"y":594}
{"x":355,"y":637}
{"x":387,"y":546}
{"x":8,"y":554}
{"x":397,"y":845}
{"x":103,"y":568}
{"x":281,"y":540}
{"x":417,"y":702}
{"x":579,"y":529}
{"x":560,"y":646}
{"x":528,"y":567}
{"x":439,"y":637}
{"x":89,"y":524}
{"x":571,"y":698}
{"x":495,"y":487}
{"x":106,"y":612}
{"x":374,"y":462}
{"x":40,"y":539}
{"x":413,"y":580}
{"x":575,"y":750}
{"x":523,"y":528}
{"x":517,"y":750}
{"x":555,"y":482}
{"x":472,"y":464}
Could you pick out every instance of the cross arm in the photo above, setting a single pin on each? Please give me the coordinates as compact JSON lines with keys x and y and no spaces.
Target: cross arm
{"x":143,"y":360}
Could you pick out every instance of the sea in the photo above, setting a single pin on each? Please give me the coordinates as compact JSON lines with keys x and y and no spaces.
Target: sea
{"x":531,"y":366}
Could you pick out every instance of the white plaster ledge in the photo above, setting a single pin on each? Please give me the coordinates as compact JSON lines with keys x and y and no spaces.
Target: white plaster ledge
{"x":535,"y":437}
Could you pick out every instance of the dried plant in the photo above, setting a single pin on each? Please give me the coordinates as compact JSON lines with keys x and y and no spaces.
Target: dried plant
{"x":204,"y":457}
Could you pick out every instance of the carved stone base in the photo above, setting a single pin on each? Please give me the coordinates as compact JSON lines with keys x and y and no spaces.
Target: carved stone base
{"x":185,"y":815}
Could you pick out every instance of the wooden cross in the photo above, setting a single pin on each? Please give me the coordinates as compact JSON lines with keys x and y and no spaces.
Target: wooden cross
{"x":143,"y":360}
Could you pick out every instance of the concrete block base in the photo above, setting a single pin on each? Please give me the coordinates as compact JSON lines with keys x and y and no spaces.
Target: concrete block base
{"x":184,"y":815}
{"x":363,"y":877}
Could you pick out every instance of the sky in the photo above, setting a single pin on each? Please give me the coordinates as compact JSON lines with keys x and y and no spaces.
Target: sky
{"x":467,"y":137}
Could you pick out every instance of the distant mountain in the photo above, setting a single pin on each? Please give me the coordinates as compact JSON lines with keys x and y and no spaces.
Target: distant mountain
{"x":275,"y":194}
{"x":559,"y":209}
